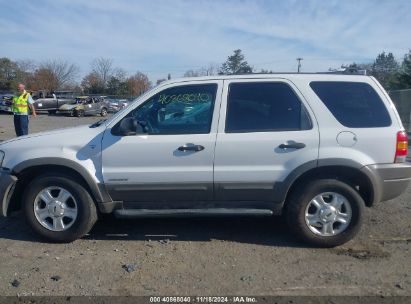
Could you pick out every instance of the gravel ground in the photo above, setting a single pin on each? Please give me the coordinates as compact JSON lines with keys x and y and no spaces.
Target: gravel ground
{"x":255,"y":256}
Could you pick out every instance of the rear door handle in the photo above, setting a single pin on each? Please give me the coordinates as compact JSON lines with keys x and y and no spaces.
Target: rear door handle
{"x":191,"y":147}
{"x":292,"y":146}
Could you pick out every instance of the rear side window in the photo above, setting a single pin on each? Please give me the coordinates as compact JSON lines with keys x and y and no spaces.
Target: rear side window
{"x":353,"y":104}
{"x":264,"y":107}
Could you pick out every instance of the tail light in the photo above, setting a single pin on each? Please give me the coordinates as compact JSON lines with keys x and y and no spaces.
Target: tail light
{"x":402,"y":147}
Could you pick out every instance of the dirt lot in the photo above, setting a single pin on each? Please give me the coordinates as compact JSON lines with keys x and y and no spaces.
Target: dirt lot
{"x":204,"y":256}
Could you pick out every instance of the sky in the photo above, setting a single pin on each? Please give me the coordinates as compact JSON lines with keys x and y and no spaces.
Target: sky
{"x":160,"y":37}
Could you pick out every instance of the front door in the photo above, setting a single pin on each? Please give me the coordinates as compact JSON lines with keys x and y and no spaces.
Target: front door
{"x":171,"y":163}
{"x":268,"y":132}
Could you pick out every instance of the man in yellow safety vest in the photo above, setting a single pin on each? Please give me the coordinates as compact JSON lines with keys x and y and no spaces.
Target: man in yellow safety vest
{"x":20,"y":108}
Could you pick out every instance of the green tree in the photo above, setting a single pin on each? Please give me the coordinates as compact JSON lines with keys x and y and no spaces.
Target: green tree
{"x":114,"y":86}
{"x":404,"y":75}
{"x":385,"y":68}
{"x":8,"y":74}
{"x":235,"y":64}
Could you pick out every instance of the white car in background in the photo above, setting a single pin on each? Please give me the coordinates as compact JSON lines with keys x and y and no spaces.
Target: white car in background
{"x":6,"y":101}
{"x":116,"y":105}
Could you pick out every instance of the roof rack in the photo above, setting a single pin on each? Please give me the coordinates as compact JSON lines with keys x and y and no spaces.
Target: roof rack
{"x":347,"y":71}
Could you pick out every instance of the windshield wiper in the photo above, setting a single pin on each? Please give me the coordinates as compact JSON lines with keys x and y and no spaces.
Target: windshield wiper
{"x":97,"y":123}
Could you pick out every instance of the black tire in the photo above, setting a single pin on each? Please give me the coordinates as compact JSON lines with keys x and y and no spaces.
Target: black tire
{"x":103,"y":112}
{"x":86,"y":216}
{"x":301,"y":197}
{"x":52,"y":112}
{"x":79,"y":113}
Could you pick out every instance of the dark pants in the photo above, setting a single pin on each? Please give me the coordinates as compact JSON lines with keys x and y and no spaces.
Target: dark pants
{"x":21,"y":124}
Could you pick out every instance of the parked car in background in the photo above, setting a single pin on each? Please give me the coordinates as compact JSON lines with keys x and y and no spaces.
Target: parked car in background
{"x":85,"y":105}
{"x":72,"y":95}
{"x":115,"y":105}
{"x":48,"y":101}
{"x":6,"y":100}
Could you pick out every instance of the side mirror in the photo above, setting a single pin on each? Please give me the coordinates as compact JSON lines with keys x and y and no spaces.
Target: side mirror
{"x":129,"y":126}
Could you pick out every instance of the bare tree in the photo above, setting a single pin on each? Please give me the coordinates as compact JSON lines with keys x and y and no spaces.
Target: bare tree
{"x":191,"y":73}
{"x":92,"y":84}
{"x":43,"y":79}
{"x":138,"y":84}
{"x":56,"y":73}
{"x":26,"y":65}
{"x":103,"y":68}
{"x":120,"y":74}
{"x":210,"y":70}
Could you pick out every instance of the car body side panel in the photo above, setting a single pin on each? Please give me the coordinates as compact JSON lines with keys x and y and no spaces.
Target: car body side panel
{"x":81,"y":145}
{"x":248,"y":165}
{"x":370,"y":145}
{"x":150,"y":167}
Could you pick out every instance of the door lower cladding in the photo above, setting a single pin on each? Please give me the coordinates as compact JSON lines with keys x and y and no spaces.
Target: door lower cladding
{"x":170,"y":194}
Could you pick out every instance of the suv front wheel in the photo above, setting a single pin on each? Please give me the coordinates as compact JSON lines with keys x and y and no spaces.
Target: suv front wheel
{"x":325,"y":212}
{"x":59,"y":209}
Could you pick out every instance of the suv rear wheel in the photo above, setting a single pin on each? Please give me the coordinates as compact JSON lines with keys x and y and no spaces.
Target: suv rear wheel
{"x":325,"y":212}
{"x":58,"y":209}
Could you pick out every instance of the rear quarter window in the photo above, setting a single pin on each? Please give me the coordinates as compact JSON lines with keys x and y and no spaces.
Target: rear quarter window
{"x":353,"y":104}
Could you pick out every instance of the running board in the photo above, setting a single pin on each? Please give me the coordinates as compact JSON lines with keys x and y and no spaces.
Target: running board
{"x":210,"y":212}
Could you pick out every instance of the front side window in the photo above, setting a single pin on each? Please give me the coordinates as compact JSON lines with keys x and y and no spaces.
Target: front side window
{"x":178,"y":110}
{"x":264,"y":107}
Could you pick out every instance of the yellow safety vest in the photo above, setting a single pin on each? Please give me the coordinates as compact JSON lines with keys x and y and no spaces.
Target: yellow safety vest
{"x":20,"y":104}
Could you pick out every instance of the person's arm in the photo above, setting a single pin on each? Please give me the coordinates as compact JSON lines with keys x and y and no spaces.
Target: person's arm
{"x":30,"y":101}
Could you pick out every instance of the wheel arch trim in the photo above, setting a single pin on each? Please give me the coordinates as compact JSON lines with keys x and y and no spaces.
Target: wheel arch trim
{"x":373,"y":181}
{"x":98,"y":191}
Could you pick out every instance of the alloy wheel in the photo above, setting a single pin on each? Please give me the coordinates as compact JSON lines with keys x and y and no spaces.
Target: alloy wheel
{"x":328,"y":214}
{"x":55,"y":208}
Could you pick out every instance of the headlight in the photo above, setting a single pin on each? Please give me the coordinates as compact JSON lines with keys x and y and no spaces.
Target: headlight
{"x":1,"y":158}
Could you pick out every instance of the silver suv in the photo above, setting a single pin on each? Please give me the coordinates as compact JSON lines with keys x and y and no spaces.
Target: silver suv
{"x":317,"y":148}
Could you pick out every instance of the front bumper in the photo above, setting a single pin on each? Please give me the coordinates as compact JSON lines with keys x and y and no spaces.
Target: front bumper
{"x":389,"y":180}
{"x":7,"y":183}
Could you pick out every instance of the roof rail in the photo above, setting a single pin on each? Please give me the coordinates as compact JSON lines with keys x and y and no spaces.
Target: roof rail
{"x":347,"y":71}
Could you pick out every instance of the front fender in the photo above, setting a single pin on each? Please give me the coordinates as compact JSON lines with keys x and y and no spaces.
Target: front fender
{"x":98,"y":190}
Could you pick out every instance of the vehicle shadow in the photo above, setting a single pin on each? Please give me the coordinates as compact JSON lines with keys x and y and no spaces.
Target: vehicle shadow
{"x":270,"y":231}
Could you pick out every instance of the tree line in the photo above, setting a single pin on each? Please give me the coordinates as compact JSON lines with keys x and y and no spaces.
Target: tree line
{"x":105,"y":78}
{"x":52,"y":75}
{"x":392,"y":74}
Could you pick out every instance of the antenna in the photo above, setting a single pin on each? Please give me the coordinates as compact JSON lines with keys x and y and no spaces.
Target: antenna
{"x":299,"y":64}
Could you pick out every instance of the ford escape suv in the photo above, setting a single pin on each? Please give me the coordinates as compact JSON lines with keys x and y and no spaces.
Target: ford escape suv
{"x":317,"y":148}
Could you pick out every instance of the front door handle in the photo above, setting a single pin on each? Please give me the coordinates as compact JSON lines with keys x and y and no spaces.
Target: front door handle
{"x":296,"y":145}
{"x":191,"y":147}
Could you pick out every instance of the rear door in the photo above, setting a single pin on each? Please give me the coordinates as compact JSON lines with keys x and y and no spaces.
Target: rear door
{"x":266,"y":131}
{"x":90,"y":106}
